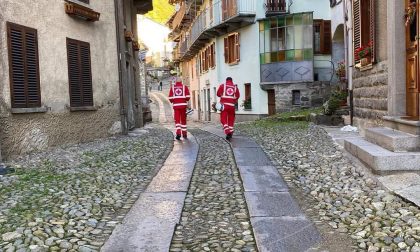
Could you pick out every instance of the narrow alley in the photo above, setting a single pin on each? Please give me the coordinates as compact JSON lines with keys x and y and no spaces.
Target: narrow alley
{"x":202,"y":194}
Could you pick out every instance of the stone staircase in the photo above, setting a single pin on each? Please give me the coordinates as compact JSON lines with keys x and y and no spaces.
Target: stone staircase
{"x":395,"y":147}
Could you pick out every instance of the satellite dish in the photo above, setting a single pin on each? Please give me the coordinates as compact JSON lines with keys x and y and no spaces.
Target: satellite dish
{"x":177,"y":7}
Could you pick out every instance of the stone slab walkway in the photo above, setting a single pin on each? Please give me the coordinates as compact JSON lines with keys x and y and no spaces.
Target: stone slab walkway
{"x":150,"y":224}
{"x":278,"y":222}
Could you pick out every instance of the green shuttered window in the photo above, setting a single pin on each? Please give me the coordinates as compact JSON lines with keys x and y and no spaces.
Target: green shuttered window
{"x":80,"y":74}
{"x":23,"y":66}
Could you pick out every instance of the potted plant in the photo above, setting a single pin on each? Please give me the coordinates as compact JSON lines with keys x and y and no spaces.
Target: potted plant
{"x":246,"y":104}
{"x":340,"y":72}
{"x":364,"y":54}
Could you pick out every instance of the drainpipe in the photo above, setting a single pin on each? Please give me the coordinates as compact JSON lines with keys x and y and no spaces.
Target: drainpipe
{"x":119,"y":27}
{"x":349,"y":54}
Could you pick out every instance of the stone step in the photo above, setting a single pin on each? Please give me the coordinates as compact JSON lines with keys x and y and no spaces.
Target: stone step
{"x":381,"y":160}
{"x":393,"y":140}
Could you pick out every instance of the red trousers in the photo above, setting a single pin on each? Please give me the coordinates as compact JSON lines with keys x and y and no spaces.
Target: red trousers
{"x":227,"y":118}
{"x":180,"y":117}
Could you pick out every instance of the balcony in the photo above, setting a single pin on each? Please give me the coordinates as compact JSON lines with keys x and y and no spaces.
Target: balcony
{"x":179,"y":17}
{"x":275,"y":7}
{"x":221,"y":18}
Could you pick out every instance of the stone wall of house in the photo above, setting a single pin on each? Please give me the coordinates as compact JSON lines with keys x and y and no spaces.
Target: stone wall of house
{"x":24,"y":133}
{"x":370,"y":91}
{"x":20,"y":133}
{"x":312,"y":94}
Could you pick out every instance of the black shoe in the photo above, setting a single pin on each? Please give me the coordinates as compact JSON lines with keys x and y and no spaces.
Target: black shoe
{"x":185,"y":136}
{"x":229,"y":136}
{"x":178,"y":137}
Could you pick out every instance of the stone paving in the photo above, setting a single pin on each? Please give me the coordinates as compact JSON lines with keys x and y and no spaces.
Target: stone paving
{"x":344,"y":194}
{"x":71,"y":198}
{"x":215,"y":215}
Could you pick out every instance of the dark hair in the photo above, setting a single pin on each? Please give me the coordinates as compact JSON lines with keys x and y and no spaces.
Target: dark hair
{"x":229,"y":79}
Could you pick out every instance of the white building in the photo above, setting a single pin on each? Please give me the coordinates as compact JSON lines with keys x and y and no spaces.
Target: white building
{"x":277,"y":52}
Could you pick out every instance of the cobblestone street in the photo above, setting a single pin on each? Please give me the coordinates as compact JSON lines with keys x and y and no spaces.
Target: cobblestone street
{"x":230,"y":199}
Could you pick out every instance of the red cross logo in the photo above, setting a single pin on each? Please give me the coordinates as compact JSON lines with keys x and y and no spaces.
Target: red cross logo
{"x":178,"y":91}
{"x":229,"y":91}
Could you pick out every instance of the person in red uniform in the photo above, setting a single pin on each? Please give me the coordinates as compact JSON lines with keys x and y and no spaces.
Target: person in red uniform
{"x":229,"y":95}
{"x":179,"y":95}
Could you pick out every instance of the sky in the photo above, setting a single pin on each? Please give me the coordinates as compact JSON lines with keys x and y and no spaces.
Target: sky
{"x":153,"y":35}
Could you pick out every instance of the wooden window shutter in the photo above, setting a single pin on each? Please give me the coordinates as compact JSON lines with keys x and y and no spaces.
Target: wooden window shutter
{"x":372,"y":28}
{"x":237,"y":48}
{"x":23,"y":66}
{"x":224,"y":10}
{"x":326,"y":28}
{"x":80,"y":73}
{"x":356,"y":28}
{"x":226,"y":44}
{"x":86,"y":74}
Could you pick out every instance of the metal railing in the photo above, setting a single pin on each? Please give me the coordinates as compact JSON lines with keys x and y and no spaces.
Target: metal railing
{"x":220,"y":12}
{"x":179,"y":16}
{"x":275,"y":6}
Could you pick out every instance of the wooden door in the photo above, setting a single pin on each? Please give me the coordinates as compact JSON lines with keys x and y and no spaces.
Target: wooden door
{"x":412,"y":70}
{"x":271,"y":102}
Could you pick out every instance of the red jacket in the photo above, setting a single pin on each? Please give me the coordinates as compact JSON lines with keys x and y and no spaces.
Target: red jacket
{"x":179,"y":95}
{"x":228,"y":93}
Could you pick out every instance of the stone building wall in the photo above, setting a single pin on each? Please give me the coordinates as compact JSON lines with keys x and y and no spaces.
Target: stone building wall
{"x":21,"y":133}
{"x":24,"y":133}
{"x":370,"y":92}
{"x":370,"y":87}
{"x":312,"y":94}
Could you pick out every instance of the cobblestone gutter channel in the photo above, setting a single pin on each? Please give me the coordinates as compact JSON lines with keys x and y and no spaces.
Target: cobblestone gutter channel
{"x":215,"y":216}
{"x":344,"y":196}
{"x":71,"y":199}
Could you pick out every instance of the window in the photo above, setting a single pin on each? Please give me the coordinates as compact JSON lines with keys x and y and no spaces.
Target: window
{"x":84,"y":1}
{"x":364,"y":25}
{"x":211,"y":10}
{"x":24,"y":66}
{"x":296,"y":97}
{"x":286,"y":38}
{"x":207,"y":58}
{"x":194,"y":106}
{"x":247,"y":91}
{"x":247,"y":102}
{"x":80,"y":75}
{"x":232,"y":48}
{"x":322,"y":36}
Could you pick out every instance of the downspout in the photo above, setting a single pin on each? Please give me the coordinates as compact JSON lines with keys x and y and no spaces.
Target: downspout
{"x":349,"y":54}
{"x":123,"y":111}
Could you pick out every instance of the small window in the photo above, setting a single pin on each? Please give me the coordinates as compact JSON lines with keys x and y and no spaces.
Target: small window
{"x":24,"y":66}
{"x":247,"y":102}
{"x":322,"y":36}
{"x":232,"y":48}
{"x":296,"y":97}
{"x":80,"y":75}
{"x":84,"y":1}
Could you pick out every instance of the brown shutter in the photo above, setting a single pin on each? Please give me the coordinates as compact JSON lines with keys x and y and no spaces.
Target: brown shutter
{"x":226,"y":44}
{"x":237,"y":48}
{"x":224,"y":10}
{"x":326,"y":28}
{"x":23,"y":66}
{"x":86,"y":74}
{"x":372,"y":28}
{"x":80,"y":74}
{"x":356,"y":28}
